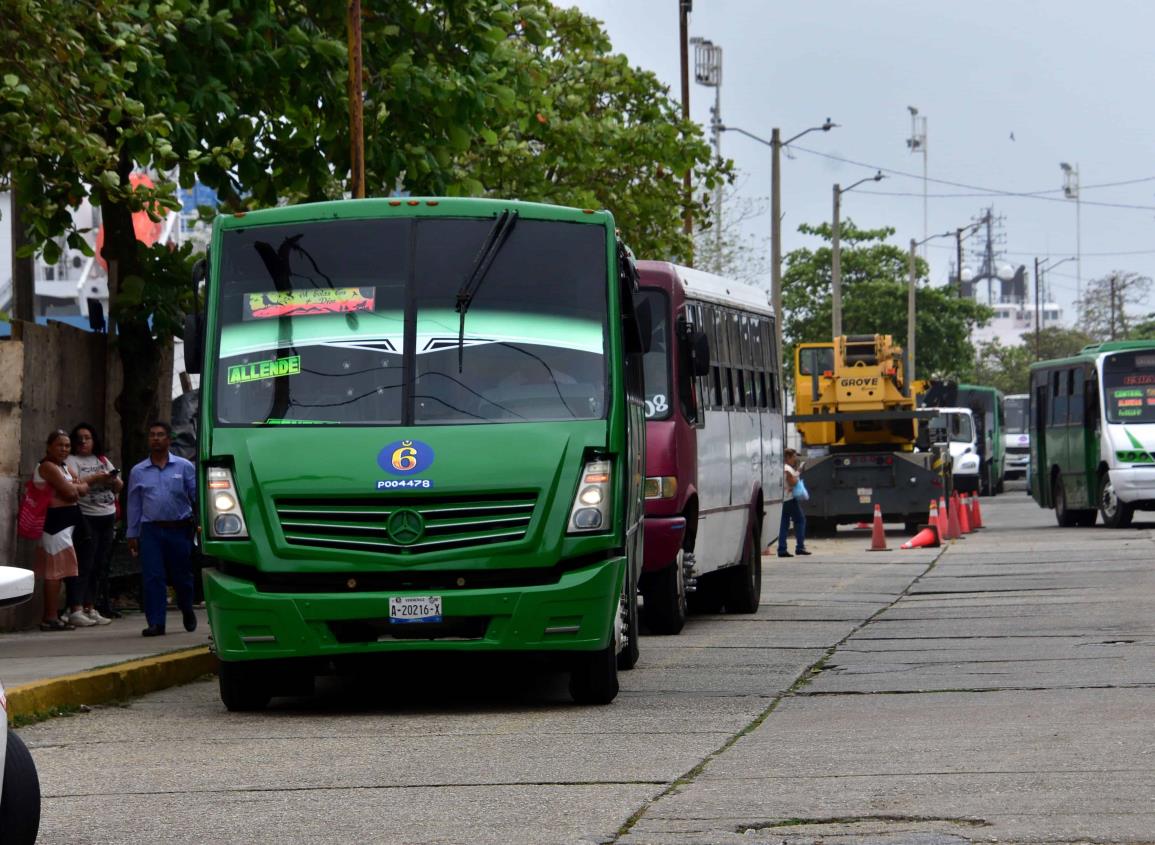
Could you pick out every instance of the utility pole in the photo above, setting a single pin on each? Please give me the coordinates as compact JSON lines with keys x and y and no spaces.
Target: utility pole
{"x":1038,"y":317}
{"x":356,"y":103}
{"x":23,"y":269}
{"x":917,"y":143}
{"x":1071,"y":191}
{"x":1114,"y":276}
{"x":708,"y":72}
{"x":908,"y":378}
{"x":836,"y":268}
{"x":836,"y":253}
{"x":684,"y":9}
{"x":776,"y":239}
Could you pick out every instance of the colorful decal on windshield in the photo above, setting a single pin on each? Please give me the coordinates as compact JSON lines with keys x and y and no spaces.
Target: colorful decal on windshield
{"x":276,"y":368}
{"x":405,"y":457}
{"x":302,"y":303}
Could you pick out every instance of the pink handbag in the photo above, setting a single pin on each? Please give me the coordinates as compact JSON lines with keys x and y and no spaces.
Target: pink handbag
{"x":33,"y":510}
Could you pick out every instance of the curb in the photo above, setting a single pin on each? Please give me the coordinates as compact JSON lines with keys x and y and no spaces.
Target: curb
{"x":117,"y":682}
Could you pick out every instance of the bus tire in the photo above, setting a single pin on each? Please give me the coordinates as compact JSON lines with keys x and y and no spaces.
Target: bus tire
{"x":744,"y":587}
{"x":628,"y":657}
{"x":1115,"y":514}
{"x":665,"y":592}
{"x":244,"y":686}
{"x":594,"y":676}
{"x":20,"y":799}
{"x":1066,"y":517}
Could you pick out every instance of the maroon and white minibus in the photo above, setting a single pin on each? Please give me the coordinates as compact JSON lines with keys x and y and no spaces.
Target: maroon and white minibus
{"x":714,"y":440}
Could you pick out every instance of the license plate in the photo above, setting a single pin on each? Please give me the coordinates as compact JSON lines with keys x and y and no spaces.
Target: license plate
{"x":415,"y":608}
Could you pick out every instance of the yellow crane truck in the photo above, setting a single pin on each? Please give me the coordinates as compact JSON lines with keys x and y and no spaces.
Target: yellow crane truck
{"x":862,"y":437}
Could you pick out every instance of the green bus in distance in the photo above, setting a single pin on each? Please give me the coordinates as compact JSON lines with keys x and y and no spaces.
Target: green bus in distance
{"x":1093,"y":433}
{"x":421,"y":429}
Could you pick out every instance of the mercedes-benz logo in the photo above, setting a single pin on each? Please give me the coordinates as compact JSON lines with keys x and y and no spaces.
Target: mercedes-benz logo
{"x":406,"y":526}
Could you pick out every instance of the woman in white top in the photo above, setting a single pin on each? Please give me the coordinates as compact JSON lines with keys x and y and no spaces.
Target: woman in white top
{"x":97,"y":527}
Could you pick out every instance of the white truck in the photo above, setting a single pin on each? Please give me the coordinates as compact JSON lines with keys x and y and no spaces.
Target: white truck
{"x":955,"y":427}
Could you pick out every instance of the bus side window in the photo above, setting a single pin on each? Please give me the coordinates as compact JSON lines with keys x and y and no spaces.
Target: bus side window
{"x":1058,"y":398}
{"x":1091,"y":419}
{"x":1075,"y":406}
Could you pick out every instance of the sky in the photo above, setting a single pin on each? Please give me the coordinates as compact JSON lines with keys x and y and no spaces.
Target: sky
{"x":1009,"y":89}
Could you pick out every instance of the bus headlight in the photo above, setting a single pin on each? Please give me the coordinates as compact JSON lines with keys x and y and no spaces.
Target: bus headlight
{"x":225,"y":518}
{"x":590,"y":510}
{"x":661,"y":487}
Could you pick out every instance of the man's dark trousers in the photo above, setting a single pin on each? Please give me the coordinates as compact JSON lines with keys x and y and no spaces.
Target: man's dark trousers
{"x":164,"y":547}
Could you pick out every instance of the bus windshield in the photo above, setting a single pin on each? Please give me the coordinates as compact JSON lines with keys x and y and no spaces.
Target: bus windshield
{"x":1015,"y":414}
{"x":1129,"y":387}
{"x":656,"y":362}
{"x":956,"y":427}
{"x":329,"y":322}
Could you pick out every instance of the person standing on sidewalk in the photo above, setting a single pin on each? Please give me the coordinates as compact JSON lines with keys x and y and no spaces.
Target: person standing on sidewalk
{"x":97,"y":525}
{"x":791,"y":509}
{"x":55,"y":554}
{"x":162,"y":492}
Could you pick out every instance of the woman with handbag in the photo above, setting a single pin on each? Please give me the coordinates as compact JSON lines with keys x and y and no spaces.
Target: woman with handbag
{"x":794,"y":493}
{"x":55,"y":555}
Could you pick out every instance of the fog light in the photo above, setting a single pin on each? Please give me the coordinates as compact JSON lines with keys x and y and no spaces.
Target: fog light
{"x":587,"y":518}
{"x":227,"y":524}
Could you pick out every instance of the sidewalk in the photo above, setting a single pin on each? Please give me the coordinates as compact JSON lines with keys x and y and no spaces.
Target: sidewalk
{"x":45,"y":671}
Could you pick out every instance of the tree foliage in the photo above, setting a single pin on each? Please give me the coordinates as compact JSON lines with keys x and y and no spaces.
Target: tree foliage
{"x":461,"y":97}
{"x":1106,"y":302}
{"x":875,"y":287}
{"x":1008,"y":367}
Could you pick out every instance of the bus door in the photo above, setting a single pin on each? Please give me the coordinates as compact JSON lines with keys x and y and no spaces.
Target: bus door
{"x":1040,"y":409}
{"x":1059,"y":384}
{"x":1090,"y":431}
{"x":715,"y":545}
{"x":1078,"y":492}
{"x":770,"y":417}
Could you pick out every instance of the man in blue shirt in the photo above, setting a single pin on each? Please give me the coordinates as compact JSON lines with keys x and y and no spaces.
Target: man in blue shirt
{"x":162,"y":492}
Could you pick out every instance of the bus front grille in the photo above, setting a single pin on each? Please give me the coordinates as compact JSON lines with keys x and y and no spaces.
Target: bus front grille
{"x":364,"y":523}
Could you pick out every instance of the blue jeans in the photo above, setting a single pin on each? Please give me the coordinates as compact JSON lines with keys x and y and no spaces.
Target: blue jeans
{"x":792,"y":510}
{"x":164,"y":549}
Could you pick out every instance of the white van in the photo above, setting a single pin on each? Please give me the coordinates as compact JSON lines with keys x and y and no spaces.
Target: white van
{"x":19,"y":785}
{"x":956,"y":427}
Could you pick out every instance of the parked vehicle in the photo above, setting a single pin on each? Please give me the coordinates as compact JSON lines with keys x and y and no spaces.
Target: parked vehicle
{"x":955,"y":429}
{"x":1093,"y":433}
{"x":19,"y":784}
{"x":1017,"y":433}
{"x":714,"y":437}
{"x":422,"y":429}
{"x":987,"y":405}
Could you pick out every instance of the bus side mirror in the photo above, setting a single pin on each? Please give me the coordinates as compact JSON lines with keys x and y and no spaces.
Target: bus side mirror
{"x":701,"y":354}
{"x":193,"y":343}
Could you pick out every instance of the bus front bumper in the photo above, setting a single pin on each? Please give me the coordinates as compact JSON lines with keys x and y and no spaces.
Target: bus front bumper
{"x":573,"y":614}
{"x":1135,"y":486}
{"x":663,"y":541}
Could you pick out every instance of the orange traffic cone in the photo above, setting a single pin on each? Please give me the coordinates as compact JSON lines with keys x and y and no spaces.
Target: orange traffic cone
{"x":877,"y":532}
{"x":942,"y":519}
{"x":964,"y":520}
{"x":926,"y":538}
{"x":976,"y":514}
{"x":862,"y":524}
{"x":953,"y":531}
{"x":933,"y":517}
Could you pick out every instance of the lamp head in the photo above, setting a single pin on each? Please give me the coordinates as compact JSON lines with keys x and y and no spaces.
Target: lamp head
{"x":828,"y":125}
{"x":878,"y":177}
{"x":913,"y":111}
{"x":1066,"y":167}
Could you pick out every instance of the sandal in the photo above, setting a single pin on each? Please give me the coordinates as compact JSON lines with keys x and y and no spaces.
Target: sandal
{"x":56,"y":625}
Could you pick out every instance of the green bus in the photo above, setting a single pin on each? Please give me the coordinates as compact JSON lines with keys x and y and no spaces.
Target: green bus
{"x":422,"y":429}
{"x":987,"y":405}
{"x":1093,"y":433}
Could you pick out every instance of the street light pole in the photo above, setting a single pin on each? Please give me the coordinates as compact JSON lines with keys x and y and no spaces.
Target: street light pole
{"x":776,"y":144}
{"x":912,"y":288}
{"x":1040,"y":314}
{"x":684,"y":9}
{"x":836,"y":254}
{"x":1071,"y":191}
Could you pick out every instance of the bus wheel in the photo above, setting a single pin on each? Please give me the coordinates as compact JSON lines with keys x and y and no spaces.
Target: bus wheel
{"x":665,"y":592}
{"x":244,"y":686}
{"x":20,"y":796}
{"x":1063,"y":515}
{"x":594,"y":676}
{"x":1115,"y":514}
{"x":627,"y":623}
{"x":744,"y":590}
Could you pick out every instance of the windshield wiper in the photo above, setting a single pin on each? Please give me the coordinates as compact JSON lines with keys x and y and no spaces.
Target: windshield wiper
{"x":492,"y":245}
